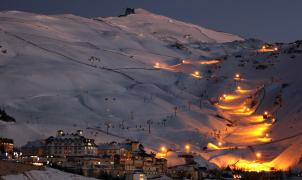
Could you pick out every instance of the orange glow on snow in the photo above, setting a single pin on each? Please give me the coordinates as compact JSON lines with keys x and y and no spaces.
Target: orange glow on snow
{"x":196,"y":74}
{"x":209,"y":62}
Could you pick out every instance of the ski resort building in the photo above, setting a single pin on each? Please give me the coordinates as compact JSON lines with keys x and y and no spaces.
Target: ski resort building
{"x":33,"y":148}
{"x":6,"y":148}
{"x":74,"y":144}
{"x":130,"y":156}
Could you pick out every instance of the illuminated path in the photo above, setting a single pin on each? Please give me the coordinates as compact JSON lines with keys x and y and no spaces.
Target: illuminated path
{"x":247,"y":132}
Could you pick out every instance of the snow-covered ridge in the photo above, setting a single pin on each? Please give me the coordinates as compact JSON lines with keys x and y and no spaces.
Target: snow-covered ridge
{"x":144,"y":22}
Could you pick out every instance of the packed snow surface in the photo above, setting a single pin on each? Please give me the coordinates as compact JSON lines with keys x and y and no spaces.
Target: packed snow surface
{"x":47,"y":174}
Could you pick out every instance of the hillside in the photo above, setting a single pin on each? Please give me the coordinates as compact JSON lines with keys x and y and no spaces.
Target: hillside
{"x":126,"y":73}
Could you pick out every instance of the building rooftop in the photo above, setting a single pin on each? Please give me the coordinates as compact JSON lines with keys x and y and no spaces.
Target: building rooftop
{"x":6,"y":140}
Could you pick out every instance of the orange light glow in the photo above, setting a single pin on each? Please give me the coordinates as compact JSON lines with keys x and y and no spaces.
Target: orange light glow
{"x":208,"y":62}
{"x":268,"y":49}
{"x":187,"y":147}
{"x":212,"y":146}
{"x":264,"y":139}
{"x":256,"y":119}
{"x":184,"y":61}
{"x":258,"y":155}
{"x":253,"y":166}
{"x":228,"y":97}
{"x":157,"y":65}
{"x":163,"y":149}
{"x":219,"y":143}
{"x":196,"y":74}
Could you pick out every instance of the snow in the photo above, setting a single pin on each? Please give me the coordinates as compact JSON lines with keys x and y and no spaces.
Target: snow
{"x":48,"y":82}
{"x":47,"y":174}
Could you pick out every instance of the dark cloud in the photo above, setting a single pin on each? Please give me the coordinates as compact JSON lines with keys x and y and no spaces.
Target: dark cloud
{"x":271,"y":20}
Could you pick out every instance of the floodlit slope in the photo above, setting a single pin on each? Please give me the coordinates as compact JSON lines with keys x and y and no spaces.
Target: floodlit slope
{"x":68,"y":72}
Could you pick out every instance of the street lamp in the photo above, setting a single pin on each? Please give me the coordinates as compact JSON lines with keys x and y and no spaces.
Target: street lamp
{"x":163,"y":149}
{"x":237,"y":76}
{"x":187,"y":147}
{"x":265,"y":115}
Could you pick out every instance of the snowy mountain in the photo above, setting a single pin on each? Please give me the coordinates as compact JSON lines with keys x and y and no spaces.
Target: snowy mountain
{"x":126,"y":74}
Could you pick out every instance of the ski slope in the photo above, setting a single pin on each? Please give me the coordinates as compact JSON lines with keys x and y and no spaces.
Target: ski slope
{"x":127,"y":73}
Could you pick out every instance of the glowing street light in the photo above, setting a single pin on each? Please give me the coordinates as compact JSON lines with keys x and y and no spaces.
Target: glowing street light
{"x":187,"y":147}
{"x":184,"y":61}
{"x":265,"y":115}
{"x":238,"y":88}
{"x":258,"y":155}
{"x":196,"y":74}
{"x":237,"y":76}
{"x":276,"y":49}
{"x":163,"y":149}
{"x":219,"y":143}
{"x":223,"y":97}
{"x":266,"y":135}
{"x":157,"y":65}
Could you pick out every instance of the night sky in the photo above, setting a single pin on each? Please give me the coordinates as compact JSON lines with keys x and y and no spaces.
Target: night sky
{"x":270,"y":20}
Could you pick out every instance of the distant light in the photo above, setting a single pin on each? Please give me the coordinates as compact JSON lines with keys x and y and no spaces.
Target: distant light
{"x":163,"y":149}
{"x":267,"y":135}
{"x":196,"y":74}
{"x":263,"y":47}
{"x":276,"y":49}
{"x":238,"y":88}
{"x":258,"y":154}
{"x":219,"y":143}
{"x":237,"y":75}
{"x":187,"y":147}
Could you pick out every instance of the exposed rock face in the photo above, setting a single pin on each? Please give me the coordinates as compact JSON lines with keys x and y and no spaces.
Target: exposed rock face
{"x":128,"y":11}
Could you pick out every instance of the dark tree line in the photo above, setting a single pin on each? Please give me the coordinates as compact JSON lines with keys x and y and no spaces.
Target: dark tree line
{"x":5,"y":117}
